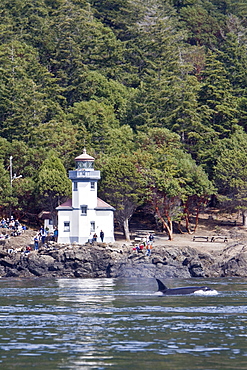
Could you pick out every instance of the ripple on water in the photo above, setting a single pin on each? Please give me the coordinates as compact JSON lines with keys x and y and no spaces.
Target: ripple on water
{"x":105,"y":323}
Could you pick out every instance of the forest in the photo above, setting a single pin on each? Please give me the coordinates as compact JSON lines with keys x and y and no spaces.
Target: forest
{"x":155,"y":90}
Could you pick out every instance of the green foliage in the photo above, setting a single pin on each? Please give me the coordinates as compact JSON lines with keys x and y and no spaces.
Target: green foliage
{"x":93,"y":85}
{"x":57,"y":135}
{"x":24,"y":190}
{"x":230,"y":171}
{"x":28,"y":93}
{"x":203,"y":27}
{"x":162,"y":79}
{"x":93,"y":121}
{"x":52,"y":182}
{"x":217,"y":94}
{"x":234,"y":57}
{"x":6,"y":198}
{"x":172,"y":178}
{"x":119,"y":141}
{"x":119,"y":15}
{"x":122,"y":186}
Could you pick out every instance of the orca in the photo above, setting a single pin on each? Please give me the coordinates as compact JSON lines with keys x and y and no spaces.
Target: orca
{"x":183,"y":290}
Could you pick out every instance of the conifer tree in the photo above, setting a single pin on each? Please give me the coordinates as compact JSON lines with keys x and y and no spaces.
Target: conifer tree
{"x":216,"y":94}
{"x":7,"y":200}
{"x":176,"y":186}
{"x":233,"y":54}
{"x":53,"y":184}
{"x":122,"y":186}
{"x":28,"y":93}
{"x":230,"y":172}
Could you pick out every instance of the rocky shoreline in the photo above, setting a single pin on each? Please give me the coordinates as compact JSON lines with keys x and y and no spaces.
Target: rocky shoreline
{"x":119,"y":260}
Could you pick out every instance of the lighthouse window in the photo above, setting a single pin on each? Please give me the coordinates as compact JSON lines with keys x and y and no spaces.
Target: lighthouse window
{"x":66,"y":226}
{"x":84,"y":164}
{"x":75,"y":185}
{"x":92,"y":226}
{"x":84,"y":210}
{"x":92,"y":185}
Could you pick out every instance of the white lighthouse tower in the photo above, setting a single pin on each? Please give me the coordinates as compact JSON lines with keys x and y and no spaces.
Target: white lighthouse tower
{"x":85,"y":214}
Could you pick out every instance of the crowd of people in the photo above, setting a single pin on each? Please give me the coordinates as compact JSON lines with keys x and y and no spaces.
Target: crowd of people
{"x":15,"y":228}
{"x":13,"y":225}
{"x":146,"y":243}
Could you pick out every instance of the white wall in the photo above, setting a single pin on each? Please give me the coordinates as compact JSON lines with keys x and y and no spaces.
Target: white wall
{"x":80,"y":226}
{"x":105,"y":222}
{"x":48,"y":225}
{"x":64,"y":216}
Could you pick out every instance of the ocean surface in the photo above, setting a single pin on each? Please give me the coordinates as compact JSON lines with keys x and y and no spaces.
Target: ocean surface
{"x":121,"y":324}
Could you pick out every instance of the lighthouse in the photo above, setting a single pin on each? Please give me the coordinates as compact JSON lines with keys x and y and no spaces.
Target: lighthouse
{"x":85,"y":214}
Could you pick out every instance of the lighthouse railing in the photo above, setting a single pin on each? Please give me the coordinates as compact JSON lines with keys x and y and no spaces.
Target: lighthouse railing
{"x":84,"y":174}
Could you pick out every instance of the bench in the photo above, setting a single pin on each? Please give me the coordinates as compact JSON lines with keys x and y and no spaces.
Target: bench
{"x":206,"y":238}
{"x":229,"y":223}
{"x":225,"y":238}
{"x":138,"y":239}
{"x":210,"y":238}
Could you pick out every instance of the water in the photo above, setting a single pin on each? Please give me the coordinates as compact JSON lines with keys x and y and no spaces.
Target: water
{"x":120,"y":324}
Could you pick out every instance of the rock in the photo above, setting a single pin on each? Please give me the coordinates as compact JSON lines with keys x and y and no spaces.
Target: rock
{"x":156,"y":260}
{"x":101,"y":260}
{"x":196,"y":270}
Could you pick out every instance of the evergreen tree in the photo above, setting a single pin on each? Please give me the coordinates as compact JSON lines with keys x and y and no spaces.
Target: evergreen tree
{"x":234,"y":57}
{"x":27,"y":201}
{"x":28,"y":93}
{"x":230,"y":172}
{"x":53,"y":184}
{"x":105,"y":72}
{"x":57,"y":135}
{"x":119,"y":15}
{"x":203,"y":25}
{"x":80,"y":40}
{"x":217,"y":95}
{"x":122,"y":186}
{"x":175,"y":184}
{"x":93,"y":121}
{"x":120,"y":140}
{"x":92,"y":85}
{"x":155,"y":52}
{"x":6,"y":196}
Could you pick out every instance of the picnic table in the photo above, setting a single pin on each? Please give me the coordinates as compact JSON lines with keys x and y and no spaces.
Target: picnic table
{"x":212,"y":238}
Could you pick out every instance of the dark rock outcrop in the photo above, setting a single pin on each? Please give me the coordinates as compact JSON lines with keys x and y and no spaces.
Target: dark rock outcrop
{"x":103,"y":260}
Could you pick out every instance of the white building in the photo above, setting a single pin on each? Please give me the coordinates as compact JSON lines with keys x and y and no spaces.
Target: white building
{"x":85,"y":214}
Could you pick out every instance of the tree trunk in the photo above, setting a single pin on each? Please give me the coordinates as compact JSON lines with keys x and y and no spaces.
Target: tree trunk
{"x":168,"y":230}
{"x":167,"y":225}
{"x":180,"y":227}
{"x":54,"y":219}
{"x":187,"y":222}
{"x":197,"y":219}
{"x":244,"y":216}
{"x":126,"y":229}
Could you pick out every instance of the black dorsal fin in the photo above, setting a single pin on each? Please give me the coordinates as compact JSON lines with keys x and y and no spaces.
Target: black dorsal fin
{"x":161,"y":286}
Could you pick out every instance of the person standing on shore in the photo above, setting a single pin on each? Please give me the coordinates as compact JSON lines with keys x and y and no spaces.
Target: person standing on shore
{"x":95,"y":236}
{"x":55,"y":234}
{"x":102,"y":235}
{"x":151,"y":238}
{"x":36,"y":242}
{"x":43,"y":235}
